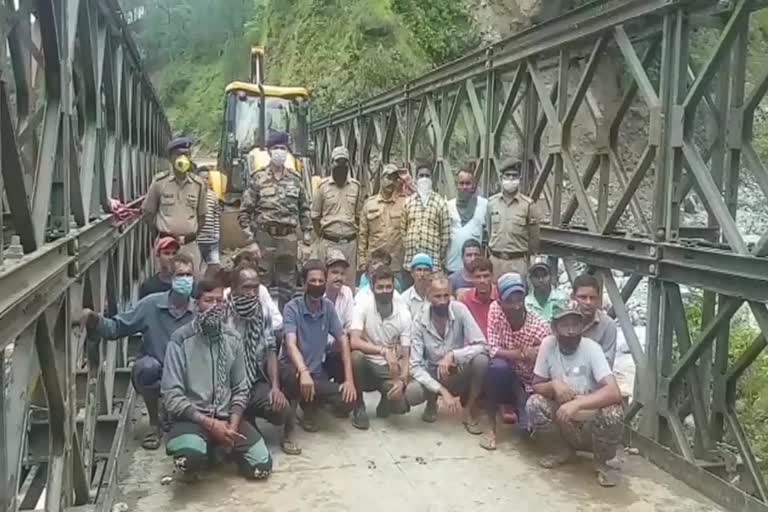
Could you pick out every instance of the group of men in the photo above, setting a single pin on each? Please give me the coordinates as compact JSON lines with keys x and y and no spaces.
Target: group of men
{"x":432,"y":320}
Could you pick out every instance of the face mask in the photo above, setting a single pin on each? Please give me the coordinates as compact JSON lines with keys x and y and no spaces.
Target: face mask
{"x":245,"y":305}
{"x":510,"y":186}
{"x":182,"y":164}
{"x":279,"y":156}
{"x":210,"y":320}
{"x":441,"y":310}
{"x":424,"y":186}
{"x":183,"y":285}
{"x":384,"y":299}
{"x":340,"y":172}
{"x":315,"y":290}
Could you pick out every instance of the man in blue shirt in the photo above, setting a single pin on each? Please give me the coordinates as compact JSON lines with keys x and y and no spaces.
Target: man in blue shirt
{"x":307,"y":322}
{"x":156,"y":317}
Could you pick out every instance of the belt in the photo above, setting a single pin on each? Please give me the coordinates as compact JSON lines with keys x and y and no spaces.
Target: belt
{"x":339,"y":239}
{"x":187,"y":239}
{"x":276,"y":230}
{"x":504,"y":255}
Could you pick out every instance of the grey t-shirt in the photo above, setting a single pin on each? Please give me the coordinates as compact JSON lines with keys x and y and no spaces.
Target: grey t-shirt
{"x":581,"y":370}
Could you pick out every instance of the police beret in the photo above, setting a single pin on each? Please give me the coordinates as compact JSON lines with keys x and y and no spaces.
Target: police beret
{"x":179,"y":143}
{"x":277,"y":139}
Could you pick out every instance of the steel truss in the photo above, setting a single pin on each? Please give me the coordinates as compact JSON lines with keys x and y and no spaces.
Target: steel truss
{"x":79,"y":124}
{"x":532,"y":88}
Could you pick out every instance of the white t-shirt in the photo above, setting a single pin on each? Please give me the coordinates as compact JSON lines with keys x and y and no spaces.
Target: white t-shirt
{"x":394,"y":330}
{"x":581,"y":370}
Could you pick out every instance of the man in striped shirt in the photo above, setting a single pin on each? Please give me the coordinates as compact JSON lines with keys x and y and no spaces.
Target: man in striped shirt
{"x":209,"y":236}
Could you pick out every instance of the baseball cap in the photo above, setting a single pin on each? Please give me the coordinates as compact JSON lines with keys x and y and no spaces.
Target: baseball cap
{"x":422,"y":259}
{"x":165,"y":242}
{"x":540,"y":263}
{"x":510,"y":283}
{"x":389,"y":169}
{"x":335,"y":256}
{"x":564,"y":309}
{"x":338,"y":153}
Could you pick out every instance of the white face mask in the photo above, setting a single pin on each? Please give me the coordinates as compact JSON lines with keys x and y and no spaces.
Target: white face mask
{"x":279,"y":156}
{"x":510,"y":185}
{"x":424,"y":185}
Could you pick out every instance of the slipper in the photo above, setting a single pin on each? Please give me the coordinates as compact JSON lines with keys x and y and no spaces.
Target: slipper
{"x":151,"y":441}
{"x":473,"y":427}
{"x":488,"y":444}
{"x":556,"y":459}
{"x":607,"y":476}
{"x":290,"y":448}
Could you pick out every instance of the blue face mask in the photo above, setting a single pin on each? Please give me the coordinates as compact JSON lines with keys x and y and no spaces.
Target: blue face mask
{"x":183,"y":285}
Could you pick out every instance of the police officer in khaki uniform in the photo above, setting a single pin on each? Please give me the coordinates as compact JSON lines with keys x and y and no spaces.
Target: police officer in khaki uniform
{"x":513,"y":221}
{"x":273,"y":206}
{"x":380,"y":222}
{"x":336,"y":208}
{"x":176,"y":201}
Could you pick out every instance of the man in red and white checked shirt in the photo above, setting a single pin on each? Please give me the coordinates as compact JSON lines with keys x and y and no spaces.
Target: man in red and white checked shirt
{"x":514,"y":336}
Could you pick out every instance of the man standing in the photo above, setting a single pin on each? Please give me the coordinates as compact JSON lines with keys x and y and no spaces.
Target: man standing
{"x":209,"y":237}
{"x":514,"y":336}
{"x":448,"y":357}
{"x":307,"y":322}
{"x":381,"y":339}
{"x":577,"y":400}
{"x":343,"y":301}
{"x":513,"y":224}
{"x":479,"y":298}
{"x":166,"y":249}
{"x":468,"y":213}
{"x":543,"y":299}
{"x":274,"y":205}
{"x":205,"y":391}
{"x":156,"y":317}
{"x":598,"y":326}
{"x":426,"y":225}
{"x":253,"y":325}
{"x":417,"y":296}
{"x":176,"y":202}
{"x":462,"y":279}
{"x":336,"y":208}
{"x":380,"y":222}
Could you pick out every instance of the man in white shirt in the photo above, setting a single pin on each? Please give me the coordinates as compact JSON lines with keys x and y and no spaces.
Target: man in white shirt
{"x":380,"y":340}
{"x":417,"y":296}
{"x":343,"y":301}
{"x":468,"y":213}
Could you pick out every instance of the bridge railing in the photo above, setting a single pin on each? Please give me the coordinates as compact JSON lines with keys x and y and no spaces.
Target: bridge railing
{"x":621,"y":112}
{"x":80,"y":125}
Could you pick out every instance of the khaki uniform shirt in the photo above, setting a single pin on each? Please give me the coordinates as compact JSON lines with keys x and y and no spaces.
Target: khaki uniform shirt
{"x":508,"y":222}
{"x":174,"y":206}
{"x":275,"y":202}
{"x":338,"y":207}
{"x":380,"y":229}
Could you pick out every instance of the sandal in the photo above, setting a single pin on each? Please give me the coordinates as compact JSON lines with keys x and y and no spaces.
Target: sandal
{"x":290,"y":448}
{"x":488,"y":443}
{"x":151,"y":441}
{"x":556,"y":459}
{"x":473,"y":426}
{"x":607,"y":476}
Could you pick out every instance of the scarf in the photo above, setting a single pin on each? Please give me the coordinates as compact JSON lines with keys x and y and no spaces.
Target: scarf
{"x":466,"y":208}
{"x":209,"y":323}
{"x":248,"y":309}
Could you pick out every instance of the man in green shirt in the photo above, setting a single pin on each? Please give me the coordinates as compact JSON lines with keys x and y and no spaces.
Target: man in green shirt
{"x":543,"y":299}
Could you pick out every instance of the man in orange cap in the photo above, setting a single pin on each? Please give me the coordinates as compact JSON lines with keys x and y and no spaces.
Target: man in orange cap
{"x":166,"y":247}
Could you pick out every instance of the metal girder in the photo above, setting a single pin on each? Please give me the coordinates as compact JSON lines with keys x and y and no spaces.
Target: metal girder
{"x":535,"y":94}
{"x":62,"y":142}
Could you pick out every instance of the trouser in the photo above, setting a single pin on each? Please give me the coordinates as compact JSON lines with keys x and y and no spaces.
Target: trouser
{"x":334,"y":366}
{"x":260,"y":406}
{"x":192,"y":249}
{"x":349,"y":250}
{"x":190,"y":440}
{"x":210,"y":252}
{"x":503,"y":386}
{"x":146,"y":374}
{"x":601,"y":434}
{"x":458,"y":384}
{"x":326,"y":392}
{"x":517,"y":265}
{"x":370,"y":376}
{"x":279,"y":258}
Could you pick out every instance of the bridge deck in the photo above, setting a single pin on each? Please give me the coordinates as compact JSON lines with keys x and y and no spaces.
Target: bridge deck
{"x":403,"y":465}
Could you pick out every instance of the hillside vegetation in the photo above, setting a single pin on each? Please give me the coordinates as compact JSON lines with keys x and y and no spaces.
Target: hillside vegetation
{"x":343,"y":50}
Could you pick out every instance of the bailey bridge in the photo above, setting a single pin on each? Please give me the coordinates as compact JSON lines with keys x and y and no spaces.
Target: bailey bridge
{"x":80,"y":124}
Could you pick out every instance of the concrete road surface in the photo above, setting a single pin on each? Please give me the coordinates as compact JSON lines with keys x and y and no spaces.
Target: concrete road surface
{"x":401,"y":465}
